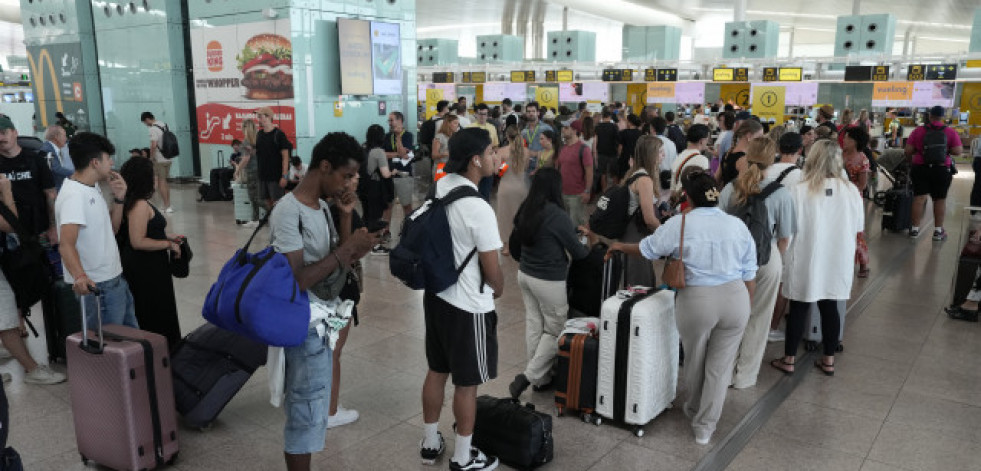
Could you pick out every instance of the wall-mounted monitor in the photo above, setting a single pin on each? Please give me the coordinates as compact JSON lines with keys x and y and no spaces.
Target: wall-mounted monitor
{"x":371,"y":59}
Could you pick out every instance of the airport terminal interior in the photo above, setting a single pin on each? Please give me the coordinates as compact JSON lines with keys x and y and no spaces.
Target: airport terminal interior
{"x":906,"y":390}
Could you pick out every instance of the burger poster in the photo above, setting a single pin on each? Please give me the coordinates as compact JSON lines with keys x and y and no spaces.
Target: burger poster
{"x":238,"y":69}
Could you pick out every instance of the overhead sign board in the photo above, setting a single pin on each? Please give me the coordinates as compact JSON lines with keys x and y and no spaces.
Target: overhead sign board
{"x":558,"y":76}
{"x":866,"y":73}
{"x":443,"y":77}
{"x":660,"y":75}
{"x":618,"y":75}
{"x":474,"y":77}
{"x":729,"y":74}
{"x":522,"y":75}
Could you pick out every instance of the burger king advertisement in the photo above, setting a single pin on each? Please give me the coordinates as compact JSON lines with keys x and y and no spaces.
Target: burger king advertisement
{"x":238,"y":69}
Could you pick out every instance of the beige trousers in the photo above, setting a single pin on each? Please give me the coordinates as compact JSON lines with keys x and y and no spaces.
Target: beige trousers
{"x":546,"y":309}
{"x":753,"y":345}
{"x":711,"y":320}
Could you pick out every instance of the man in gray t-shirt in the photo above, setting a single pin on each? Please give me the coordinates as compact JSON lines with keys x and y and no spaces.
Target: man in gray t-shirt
{"x":316,"y":248}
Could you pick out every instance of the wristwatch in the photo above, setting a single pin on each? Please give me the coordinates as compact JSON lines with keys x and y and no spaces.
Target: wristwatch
{"x":118,"y":201}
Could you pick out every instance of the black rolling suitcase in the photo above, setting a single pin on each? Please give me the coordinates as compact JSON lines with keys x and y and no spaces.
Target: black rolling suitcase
{"x":585,"y":294}
{"x":210,"y":366}
{"x":62,"y":317}
{"x":897,"y":209}
{"x":575,"y":378}
{"x":517,"y":434}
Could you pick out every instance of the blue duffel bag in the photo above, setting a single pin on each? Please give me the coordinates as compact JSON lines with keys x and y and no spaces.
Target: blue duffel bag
{"x":257,"y":296}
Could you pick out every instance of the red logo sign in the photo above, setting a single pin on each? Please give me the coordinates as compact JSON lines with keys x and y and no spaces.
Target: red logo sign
{"x":219,"y":124}
{"x":214,"y":55}
{"x":77,"y":91}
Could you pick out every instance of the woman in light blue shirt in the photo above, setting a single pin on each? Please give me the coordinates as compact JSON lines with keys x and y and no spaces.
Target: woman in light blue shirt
{"x":713,"y":308}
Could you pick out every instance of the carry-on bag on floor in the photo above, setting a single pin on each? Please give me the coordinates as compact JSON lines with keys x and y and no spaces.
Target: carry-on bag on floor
{"x":122,"y":397}
{"x":812,"y":335}
{"x":62,"y":317}
{"x":210,"y":366}
{"x":242,"y":203}
{"x":897,"y":209}
{"x":518,"y":435}
{"x":585,"y":294}
{"x":575,"y":377}
{"x":638,"y":361}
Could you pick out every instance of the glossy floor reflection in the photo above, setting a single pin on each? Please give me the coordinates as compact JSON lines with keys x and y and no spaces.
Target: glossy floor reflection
{"x":905,"y":396}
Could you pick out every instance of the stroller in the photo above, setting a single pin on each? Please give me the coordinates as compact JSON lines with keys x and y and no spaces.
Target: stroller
{"x":893,"y":165}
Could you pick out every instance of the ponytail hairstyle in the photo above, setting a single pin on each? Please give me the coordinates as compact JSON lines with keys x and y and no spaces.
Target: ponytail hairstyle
{"x":759,"y":157}
{"x":517,"y":159}
{"x":647,"y":156}
{"x":546,"y":187}
{"x":823,"y":162}
{"x":746,"y":128}
{"x":701,"y":188}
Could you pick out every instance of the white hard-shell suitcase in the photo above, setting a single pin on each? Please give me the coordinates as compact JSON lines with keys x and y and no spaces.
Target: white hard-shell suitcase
{"x":243,"y":206}
{"x":638,"y":358}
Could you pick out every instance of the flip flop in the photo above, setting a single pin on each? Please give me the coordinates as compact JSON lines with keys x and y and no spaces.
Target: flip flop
{"x":780,"y":361}
{"x":821,"y":365}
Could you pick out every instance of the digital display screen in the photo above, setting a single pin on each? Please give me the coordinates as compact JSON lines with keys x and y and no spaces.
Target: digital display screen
{"x":386,"y":58}
{"x":371,"y":57}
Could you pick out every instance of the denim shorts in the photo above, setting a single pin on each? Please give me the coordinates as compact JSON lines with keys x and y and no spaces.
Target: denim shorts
{"x":308,"y":377}
{"x":116,"y":303}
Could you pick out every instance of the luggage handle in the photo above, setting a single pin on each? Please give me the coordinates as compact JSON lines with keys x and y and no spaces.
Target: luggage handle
{"x":85,"y":345}
{"x":221,"y":158}
{"x":608,"y":273}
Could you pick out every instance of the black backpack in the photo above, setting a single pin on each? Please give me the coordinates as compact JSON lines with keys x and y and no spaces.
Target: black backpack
{"x":168,"y":145}
{"x":610,"y":218}
{"x":757,"y":218}
{"x":935,"y":145}
{"x":423,"y":258}
{"x":427,"y":132}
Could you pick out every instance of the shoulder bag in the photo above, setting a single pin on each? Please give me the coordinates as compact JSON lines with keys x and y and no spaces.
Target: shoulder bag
{"x":24,"y":263}
{"x":674,"y":270}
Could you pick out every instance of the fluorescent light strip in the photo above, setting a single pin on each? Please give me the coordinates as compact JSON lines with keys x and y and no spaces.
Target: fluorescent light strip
{"x":433,"y":29}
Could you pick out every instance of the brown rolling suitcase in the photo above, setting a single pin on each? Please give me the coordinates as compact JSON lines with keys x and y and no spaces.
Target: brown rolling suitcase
{"x":575,"y":386}
{"x":122,"y":397}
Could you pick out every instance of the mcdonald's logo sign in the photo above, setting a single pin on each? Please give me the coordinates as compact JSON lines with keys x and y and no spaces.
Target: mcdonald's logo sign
{"x":38,"y":59}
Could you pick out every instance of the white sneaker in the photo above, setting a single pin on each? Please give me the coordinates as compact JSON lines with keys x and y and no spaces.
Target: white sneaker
{"x":44,"y":375}
{"x":703,"y":438}
{"x":342,"y":417}
{"x":776,"y":335}
{"x":169,"y":210}
{"x":251,"y":224}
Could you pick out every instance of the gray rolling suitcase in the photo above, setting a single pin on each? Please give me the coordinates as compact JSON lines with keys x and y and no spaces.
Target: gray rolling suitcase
{"x":812,"y":334}
{"x":242,"y":203}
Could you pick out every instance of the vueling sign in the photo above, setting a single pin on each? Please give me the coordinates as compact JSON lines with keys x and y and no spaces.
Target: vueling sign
{"x":38,"y":73}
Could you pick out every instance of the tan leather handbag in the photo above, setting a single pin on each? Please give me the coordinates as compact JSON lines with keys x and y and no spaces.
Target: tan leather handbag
{"x":674,"y":270}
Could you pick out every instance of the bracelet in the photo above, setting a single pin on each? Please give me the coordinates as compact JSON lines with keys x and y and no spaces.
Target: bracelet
{"x":118,"y":201}
{"x":339,"y":262}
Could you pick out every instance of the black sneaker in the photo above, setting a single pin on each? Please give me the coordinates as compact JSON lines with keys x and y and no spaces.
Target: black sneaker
{"x":380,"y":250}
{"x":430,"y":455}
{"x":960,"y":314}
{"x":478,"y":462}
{"x":550,"y":385}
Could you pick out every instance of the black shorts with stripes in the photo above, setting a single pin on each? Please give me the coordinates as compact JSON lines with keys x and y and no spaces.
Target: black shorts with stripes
{"x":461,"y":343}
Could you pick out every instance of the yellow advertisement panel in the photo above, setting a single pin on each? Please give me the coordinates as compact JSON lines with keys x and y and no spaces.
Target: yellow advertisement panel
{"x":892,"y":92}
{"x":768,"y":103}
{"x":660,"y":92}
{"x":433,"y":96}
{"x":735,"y":93}
{"x":636,"y":96}
{"x":547,"y":97}
{"x":971,"y":101}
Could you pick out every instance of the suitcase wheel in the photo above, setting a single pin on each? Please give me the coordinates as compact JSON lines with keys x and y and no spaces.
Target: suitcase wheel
{"x":597,"y":421}
{"x":639,"y":432}
{"x":559,"y":411}
{"x":840,"y":348}
{"x":85,"y":461}
{"x":172,"y":460}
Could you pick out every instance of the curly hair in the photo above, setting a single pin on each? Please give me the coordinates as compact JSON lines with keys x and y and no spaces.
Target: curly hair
{"x":337,"y":148}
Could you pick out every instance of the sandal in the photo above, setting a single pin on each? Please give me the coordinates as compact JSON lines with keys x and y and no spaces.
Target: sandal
{"x":779,"y":364}
{"x":864,"y":273}
{"x":821,"y":365}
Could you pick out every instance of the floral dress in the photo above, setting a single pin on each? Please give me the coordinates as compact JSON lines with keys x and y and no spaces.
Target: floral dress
{"x":856,"y":166}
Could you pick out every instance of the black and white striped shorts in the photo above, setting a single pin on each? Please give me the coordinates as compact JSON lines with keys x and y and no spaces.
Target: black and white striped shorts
{"x":461,"y":343}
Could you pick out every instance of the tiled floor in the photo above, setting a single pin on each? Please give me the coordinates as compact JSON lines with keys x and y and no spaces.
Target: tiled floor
{"x":906,"y":396}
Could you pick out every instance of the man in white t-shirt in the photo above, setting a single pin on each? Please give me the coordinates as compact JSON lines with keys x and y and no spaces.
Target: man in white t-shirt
{"x":161,"y":164}
{"x":660,"y":126}
{"x":461,"y":325}
{"x":791,"y":145}
{"x":87,"y":231}
{"x":697,"y":139}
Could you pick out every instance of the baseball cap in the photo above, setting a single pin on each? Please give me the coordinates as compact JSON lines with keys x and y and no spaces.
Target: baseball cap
{"x":828,"y":111}
{"x":935,"y":111}
{"x":743,"y":116}
{"x":576,"y":125}
{"x":6,"y":123}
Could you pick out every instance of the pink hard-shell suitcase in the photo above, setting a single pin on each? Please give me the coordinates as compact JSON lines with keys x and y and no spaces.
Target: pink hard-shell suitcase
{"x":122,"y":397}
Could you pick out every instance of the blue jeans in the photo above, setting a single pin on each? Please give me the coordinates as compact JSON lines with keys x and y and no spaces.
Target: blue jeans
{"x":308,"y":378}
{"x":115,"y":304}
